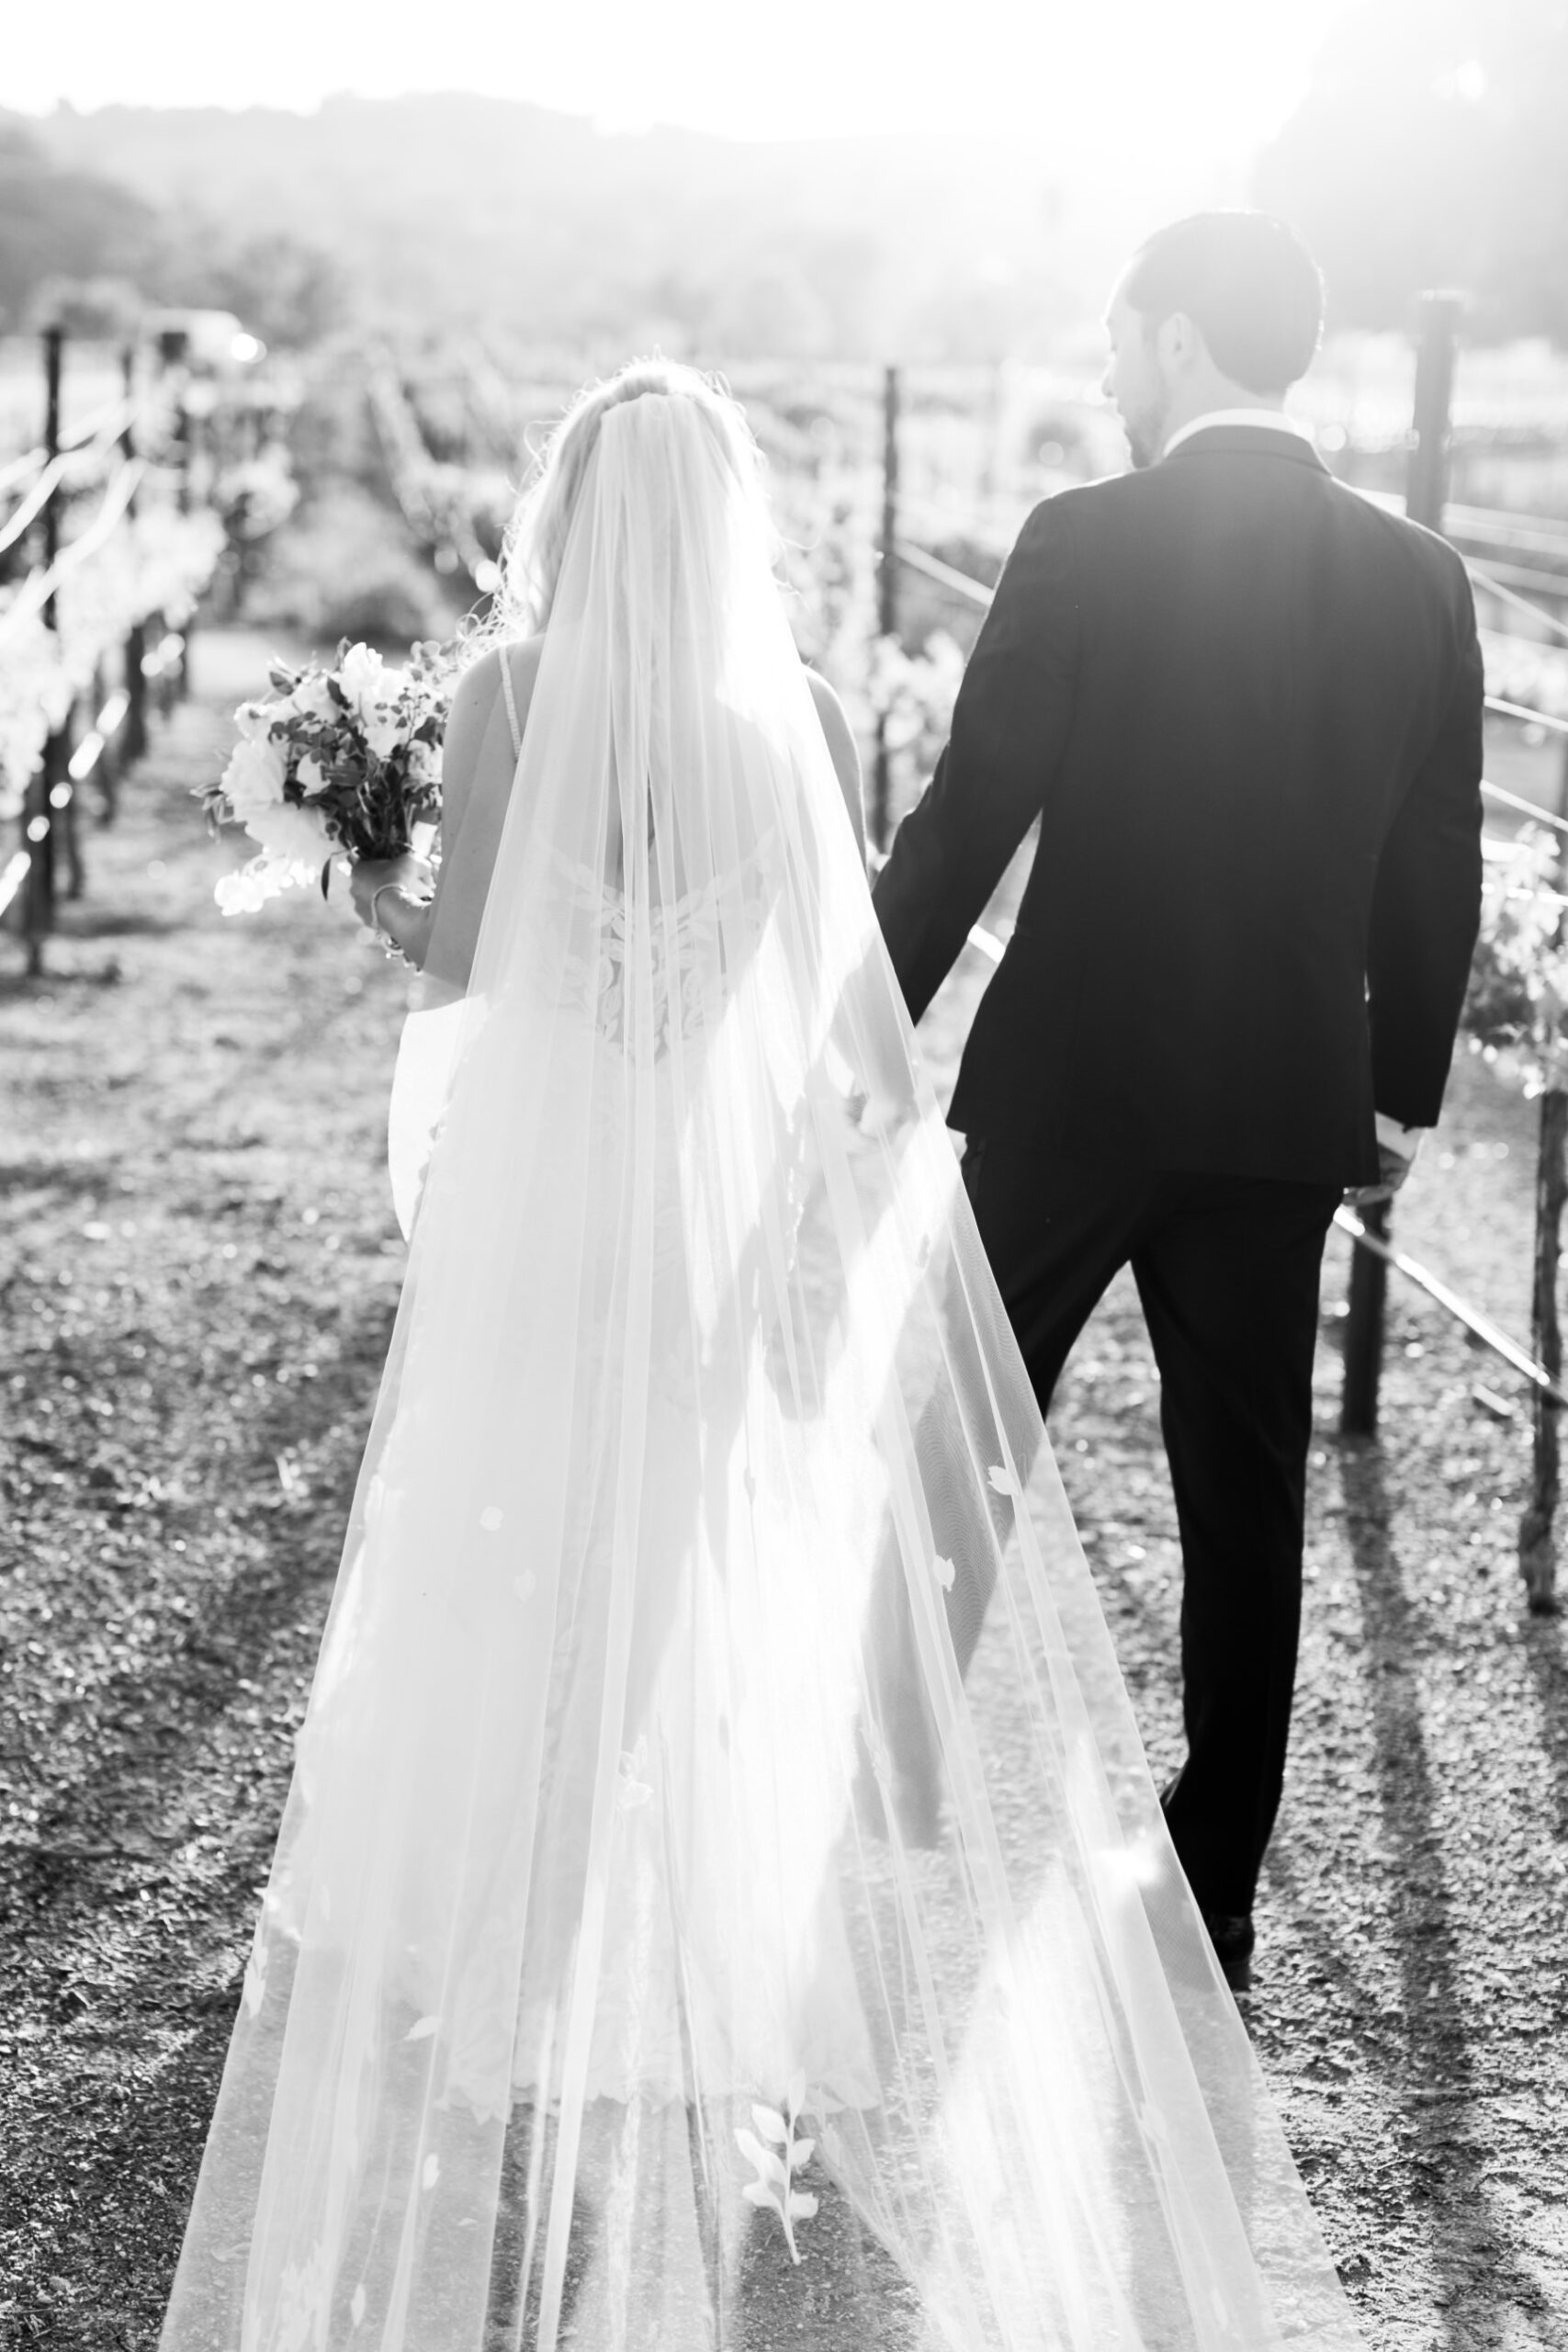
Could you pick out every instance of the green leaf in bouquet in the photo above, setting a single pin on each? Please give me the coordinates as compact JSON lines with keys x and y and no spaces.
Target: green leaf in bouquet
{"x":326,"y":876}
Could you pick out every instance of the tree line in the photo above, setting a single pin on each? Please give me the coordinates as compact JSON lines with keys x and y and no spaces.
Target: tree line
{"x":1429,"y":150}
{"x":82,"y":249}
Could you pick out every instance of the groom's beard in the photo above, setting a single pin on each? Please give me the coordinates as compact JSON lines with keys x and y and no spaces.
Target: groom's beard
{"x":1147,"y":434}
{"x":1147,"y":426}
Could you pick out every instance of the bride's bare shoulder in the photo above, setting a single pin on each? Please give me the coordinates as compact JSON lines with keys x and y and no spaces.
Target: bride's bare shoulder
{"x":477,"y":728}
{"x":479,"y":689}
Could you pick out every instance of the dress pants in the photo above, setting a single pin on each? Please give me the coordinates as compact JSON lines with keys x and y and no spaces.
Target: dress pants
{"x":1227,"y":1270}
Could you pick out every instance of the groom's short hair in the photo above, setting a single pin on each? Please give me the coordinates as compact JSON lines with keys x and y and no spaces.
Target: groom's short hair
{"x":1248,"y":285}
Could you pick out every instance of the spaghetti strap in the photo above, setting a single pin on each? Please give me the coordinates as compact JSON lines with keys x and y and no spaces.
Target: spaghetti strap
{"x":511,"y":694}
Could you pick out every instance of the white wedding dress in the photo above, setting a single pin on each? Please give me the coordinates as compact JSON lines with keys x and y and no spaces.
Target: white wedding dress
{"x":655,"y":1900}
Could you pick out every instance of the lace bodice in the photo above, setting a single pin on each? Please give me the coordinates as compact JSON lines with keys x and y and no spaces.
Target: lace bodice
{"x":696,"y":941}
{"x":695,"y":946}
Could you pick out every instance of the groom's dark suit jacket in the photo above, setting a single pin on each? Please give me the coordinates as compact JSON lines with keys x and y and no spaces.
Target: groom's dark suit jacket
{"x":1244,"y":705}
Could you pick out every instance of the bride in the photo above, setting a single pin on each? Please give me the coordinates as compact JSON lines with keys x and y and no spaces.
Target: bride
{"x":616,"y":1955}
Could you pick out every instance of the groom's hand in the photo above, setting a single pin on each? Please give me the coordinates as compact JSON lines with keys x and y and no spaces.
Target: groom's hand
{"x":1394,"y":1168}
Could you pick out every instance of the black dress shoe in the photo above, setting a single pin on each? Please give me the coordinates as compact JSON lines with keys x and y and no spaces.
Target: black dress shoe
{"x":1233,"y":1939}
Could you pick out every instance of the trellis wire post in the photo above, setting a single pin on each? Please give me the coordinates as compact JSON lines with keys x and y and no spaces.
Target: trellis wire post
{"x":1425,"y":495}
{"x":184,"y":451}
{"x":38,"y":913}
{"x":189,"y":421}
{"x":886,"y":601}
{"x":1538,"y":1528}
{"x":135,"y":737}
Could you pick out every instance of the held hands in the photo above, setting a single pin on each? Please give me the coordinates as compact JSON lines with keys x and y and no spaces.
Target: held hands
{"x":1395,"y":1167}
{"x":877,"y":1119}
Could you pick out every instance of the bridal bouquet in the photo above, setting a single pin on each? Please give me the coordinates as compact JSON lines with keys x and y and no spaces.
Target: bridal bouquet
{"x":339,"y":763}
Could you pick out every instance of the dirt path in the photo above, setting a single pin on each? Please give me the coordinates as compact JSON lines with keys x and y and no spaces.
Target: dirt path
{"x":198,"y":1274}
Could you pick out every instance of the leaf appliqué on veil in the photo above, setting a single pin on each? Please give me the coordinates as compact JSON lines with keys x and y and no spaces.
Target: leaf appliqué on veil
{"x":778,"y":2156}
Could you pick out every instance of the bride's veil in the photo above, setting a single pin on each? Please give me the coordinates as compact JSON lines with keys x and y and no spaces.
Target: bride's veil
{"x":719,"y":1830}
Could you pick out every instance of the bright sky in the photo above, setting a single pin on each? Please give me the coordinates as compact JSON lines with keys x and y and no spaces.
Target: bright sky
{"x":1165,"y":81}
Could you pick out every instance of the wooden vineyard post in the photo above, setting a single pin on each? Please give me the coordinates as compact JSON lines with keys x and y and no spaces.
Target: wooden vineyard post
{"x":135,"y":737}
{"x":104,"y":770}
{"x":886,"y":603}
{"x":62,"y":799}
{"x":62,"y":840}
{"x":183,"y":449}
{"x":1537,"y":1542}
{"x":1538,"y":1528}
{"x":1425,"y":495}
{"x":173,"y":682}
{"x":38,"y":913}
{"x":1426,"y":481}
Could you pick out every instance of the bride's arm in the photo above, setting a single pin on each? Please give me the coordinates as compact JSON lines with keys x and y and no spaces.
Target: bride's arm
{"x":386,"y":896}
{"x":842,"y":750}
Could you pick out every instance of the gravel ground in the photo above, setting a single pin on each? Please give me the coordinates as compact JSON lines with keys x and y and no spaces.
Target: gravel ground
{"x":198,"y":1268}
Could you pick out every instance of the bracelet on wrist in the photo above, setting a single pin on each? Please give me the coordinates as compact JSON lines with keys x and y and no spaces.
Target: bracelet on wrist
{"x":391,"y":946}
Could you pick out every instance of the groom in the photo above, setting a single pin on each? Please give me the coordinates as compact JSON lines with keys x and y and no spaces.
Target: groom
{"x":1244,"y":706}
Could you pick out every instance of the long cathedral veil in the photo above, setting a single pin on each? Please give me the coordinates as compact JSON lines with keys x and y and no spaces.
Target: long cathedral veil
{"x":657,"y":1900}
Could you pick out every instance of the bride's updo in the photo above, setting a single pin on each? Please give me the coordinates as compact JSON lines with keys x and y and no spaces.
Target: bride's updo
{"x":536,"y":536}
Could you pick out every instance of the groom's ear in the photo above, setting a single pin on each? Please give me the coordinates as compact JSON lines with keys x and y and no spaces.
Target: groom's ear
{"x":1179,"y":345}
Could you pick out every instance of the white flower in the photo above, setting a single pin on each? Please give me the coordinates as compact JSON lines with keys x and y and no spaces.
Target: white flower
{"x":312,"y":697}
{"x":373,"y":690}
{"x":250,"y":886}
{"x":361,"y":674}
{"x":311,"y":774}
{"x":252,"y":720}
{"x":383,"y":727}
{"x":253,"y":778}
{"x":295,"y":834}
{"x":238,"y":893}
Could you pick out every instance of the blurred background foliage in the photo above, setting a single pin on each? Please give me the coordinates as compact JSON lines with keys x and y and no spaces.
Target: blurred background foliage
{"x":1431,"y":150}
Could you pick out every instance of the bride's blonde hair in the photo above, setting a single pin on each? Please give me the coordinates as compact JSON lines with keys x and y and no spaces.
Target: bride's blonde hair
{"x":536,"y":536}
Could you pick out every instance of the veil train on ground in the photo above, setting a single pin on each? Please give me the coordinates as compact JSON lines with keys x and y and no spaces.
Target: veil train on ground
{"x":656,"y":1900}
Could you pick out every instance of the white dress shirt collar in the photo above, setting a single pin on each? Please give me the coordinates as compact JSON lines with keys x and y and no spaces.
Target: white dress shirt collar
{"x":1273,"y":420}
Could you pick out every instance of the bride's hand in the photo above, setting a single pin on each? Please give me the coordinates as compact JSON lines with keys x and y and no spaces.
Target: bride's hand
{"x":878,"y":1118}
{"x":412,"y":877}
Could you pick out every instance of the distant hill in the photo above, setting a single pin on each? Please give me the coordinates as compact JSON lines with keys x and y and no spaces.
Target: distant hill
{"x":457,"y":211}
